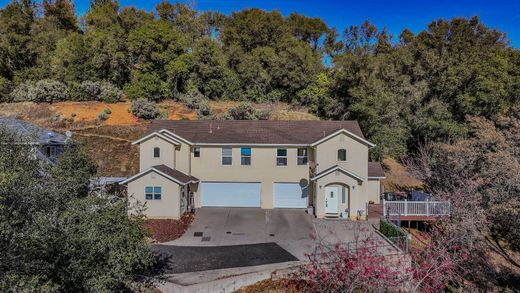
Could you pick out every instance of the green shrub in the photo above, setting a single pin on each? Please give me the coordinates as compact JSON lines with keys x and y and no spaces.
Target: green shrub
{"x":142,"y":108}
{"x":88,"y":91}
{"x":263,"y":114}
{"x":21,"y":92}
{"x":109,"y":93}
{"x":107,"y":111}
{"x":145,"y":86}
{"x":45,"y":90}
{"x":204,"y":109}
{"x":55,"y":118}
{"x":95,"y":91}
{"x":389,"y":230}
{"x":48,"y":90}
{"x":5,"y":88}
{"x":103,"y":116}
{"x":193,"y":99}
{"x":246,"y":111}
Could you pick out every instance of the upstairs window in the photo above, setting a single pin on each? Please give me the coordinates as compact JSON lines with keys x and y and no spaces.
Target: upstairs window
{"x":245,"y":156}
{"x":302,"y":156}
{"x":196,"y":152}
{"x":227,"y":156}
{"x":281,"y":157}
{"x":156,"y":152}
{"x":342,"y":155}
{"x":152,"y":193}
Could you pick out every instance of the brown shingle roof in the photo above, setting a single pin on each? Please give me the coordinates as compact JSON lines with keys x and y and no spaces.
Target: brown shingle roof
{"x":254,"y":132}
{"x":375,"y":169}
{"x":180,"y":176}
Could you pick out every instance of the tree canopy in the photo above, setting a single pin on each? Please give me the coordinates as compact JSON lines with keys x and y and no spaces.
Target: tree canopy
{"x":55,"y":236}
{"x":404,"y":91}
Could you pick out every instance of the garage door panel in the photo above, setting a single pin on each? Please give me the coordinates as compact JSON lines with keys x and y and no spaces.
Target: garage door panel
{"x":230,"y":194}
{"x":289,"y":195}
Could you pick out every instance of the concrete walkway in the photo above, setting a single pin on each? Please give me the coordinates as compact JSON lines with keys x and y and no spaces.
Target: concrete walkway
{"x":294,"y":230}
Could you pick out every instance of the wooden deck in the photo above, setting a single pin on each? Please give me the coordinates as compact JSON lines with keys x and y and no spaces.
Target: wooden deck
{"x":376,"y":211}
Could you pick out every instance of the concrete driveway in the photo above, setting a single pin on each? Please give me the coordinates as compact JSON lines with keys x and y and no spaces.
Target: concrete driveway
{"x":291,"y":229}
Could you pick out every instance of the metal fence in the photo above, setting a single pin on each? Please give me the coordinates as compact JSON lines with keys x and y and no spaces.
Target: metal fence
{"x":394,"y":234}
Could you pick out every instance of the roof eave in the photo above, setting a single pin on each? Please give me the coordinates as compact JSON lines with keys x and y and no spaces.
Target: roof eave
{"x":337,"y":168}
{"x":145,"y":138}
{"x":154,"y":170}
{"x":343,"y":130}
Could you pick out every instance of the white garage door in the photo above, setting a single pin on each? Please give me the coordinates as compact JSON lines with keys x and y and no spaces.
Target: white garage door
{"x":229,"y":194}
{"x":290,"y":195}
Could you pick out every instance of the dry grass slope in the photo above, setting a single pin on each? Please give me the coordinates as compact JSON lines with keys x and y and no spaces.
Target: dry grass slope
{"x":109,"y":141}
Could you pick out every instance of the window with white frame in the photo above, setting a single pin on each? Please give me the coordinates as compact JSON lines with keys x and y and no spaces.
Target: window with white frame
{"x":227,"y":156}
{"x":156,"y":152}
{"x":245,"y":156}
{"x":302,"y":156}
{"x":196,"y":152}
{"x":152,"y":193}
{"x":342,"y":155}
{"x":281,"y":157}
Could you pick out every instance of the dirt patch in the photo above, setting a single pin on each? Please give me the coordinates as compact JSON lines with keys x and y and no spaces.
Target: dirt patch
{"x":177,"y":111}
{"x":167,"y":229}
{"x":279,"y":111}
{"x":89,"y":112}
{"x":398,"y":178}
{"x":273,"y":286}
{"x":111,"y":148}
{"x":81,"y":114}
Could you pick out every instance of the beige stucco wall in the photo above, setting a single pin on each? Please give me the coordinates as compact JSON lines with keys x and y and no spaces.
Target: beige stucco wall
{"x":182,"y":158}
{"x":146,"y":159}
{"x":374,"y":190}
{"x":357,"y":154}
{"x":263,"y":169}
{"x":358,"y":194}
{"x":169,"y":207}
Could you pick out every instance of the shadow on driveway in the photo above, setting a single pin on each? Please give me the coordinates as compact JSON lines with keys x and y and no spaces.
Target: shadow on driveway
{"x":183,"y":259}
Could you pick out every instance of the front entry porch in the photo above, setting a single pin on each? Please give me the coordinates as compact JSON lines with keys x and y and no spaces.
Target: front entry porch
{"x":340,"y":194}
{"x":337,"y":198}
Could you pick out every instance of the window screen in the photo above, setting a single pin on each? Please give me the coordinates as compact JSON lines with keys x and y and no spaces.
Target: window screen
{"x":227,"y":157}
{"x":245,"y":156}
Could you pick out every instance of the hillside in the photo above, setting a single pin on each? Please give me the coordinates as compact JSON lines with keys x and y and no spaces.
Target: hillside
{"x":109,"y":141}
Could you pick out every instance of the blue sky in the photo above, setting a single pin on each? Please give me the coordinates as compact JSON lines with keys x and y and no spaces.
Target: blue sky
{"x":394,"y":15}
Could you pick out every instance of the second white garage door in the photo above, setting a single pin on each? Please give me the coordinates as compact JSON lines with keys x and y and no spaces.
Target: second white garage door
{"x":289,"y":195}
{"x":229,"y":194}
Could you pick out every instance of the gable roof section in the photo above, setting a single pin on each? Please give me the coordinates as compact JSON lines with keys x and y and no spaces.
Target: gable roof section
{"x":256,"y":132}
{"x":174,"y":136}
{"x":34,"y":134}
{"x":169,"y":173}
{"x":150,"y":135}
{"x":375,"y":171}
{"x":344,"y":131}
{"x":337,"y":168}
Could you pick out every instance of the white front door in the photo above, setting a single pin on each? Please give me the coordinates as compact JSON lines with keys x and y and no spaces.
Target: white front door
{"x":331,"y":199}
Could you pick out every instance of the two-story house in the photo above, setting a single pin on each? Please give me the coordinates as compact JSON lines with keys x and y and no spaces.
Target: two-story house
{"x":264,"y":164}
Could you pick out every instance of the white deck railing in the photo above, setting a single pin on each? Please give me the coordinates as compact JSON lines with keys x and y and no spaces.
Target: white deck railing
{"x":416,"y":208}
